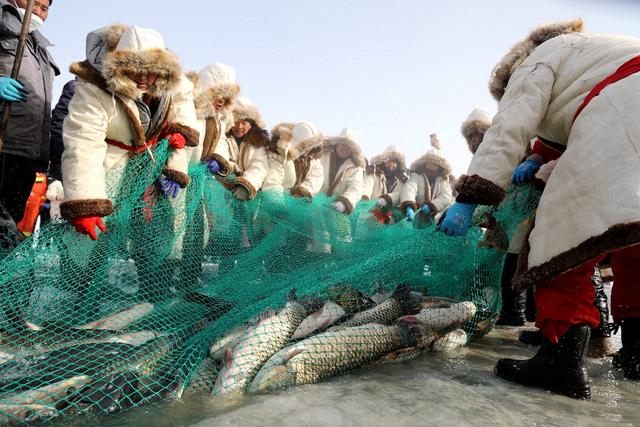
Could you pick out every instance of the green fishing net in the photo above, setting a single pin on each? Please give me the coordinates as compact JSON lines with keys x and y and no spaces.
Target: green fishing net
{"x":204,"y":294}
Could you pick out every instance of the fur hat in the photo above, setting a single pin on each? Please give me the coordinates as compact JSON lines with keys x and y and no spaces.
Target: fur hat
{"x":296,"y":140}
{"x":348,"y":137}
{"x":140,"y":50}
{"x":213,"y":82}
{"x":477,"y":123}
{"x":502,"y":72}
{"x":243,"y":108}
{"x":434,"y":155}
{"x":391,"y":153}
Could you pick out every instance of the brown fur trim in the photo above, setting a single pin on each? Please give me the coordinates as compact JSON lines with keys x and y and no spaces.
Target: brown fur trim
{"x":246,"y":184}
{"x":419,"y":165}
{"x":304,"y":147}
{"x":484,"y":191}
{"x":241,"y":112}
{"x":281,"y":137}
{"x":504,"y":69}
{"x":346,"y":203}
{"x":211,"y":138}
{"x":181,"y":178}
{"x":204,"y":99}
{"x":160,"y":61}
{"x":409,"y":203}
{"x":617,"y":237}
{"x":86,"y":207}
{"x":433,"y":210}
{"x":86,"y":72}
{"x":394,"y":155}
{"x":300,"y":191}
{"x":190,"y":134}
{"x":225,"y":166}
{"x":388,"y":199}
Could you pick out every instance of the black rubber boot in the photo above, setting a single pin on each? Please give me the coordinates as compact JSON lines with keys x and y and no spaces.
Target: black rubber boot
{"x":600,"y":302}
{"x":556,"y":367}
{"x":530,"y":337}
{"x":513,"y":303}
{"x":627,"y":358}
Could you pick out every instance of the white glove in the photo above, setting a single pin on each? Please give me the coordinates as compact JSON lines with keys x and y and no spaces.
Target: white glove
{"x":382,"y":202}
{"x":55,"y":192}
{"x":339,"y":206}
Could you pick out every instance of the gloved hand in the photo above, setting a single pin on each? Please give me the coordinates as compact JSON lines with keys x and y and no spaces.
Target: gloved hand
{"x":455,"y":220}
{"x":55,"y":192}
{"x":176,"y":141}
{"x":240,"y":193}
{"x":382,"y":202}
{"x":168,"y":187}
{"x":88,"y":224}
{"x":410,"y":213}
{"x":213,"y":166}
{"x":425,"y":209}
{"x":525,"y":171}
{"x":339,"y":206}
{"x":11,"y":90}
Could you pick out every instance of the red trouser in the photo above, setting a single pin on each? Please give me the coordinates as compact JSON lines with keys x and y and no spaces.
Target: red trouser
{"x":568,"y":299}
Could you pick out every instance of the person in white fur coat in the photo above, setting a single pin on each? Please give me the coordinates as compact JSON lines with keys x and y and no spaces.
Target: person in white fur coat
{"x":427,"y":192}
{"x":343,"y":169}
{"x":130,"y":94}
{"x":294,"y":164}
{"x":579,"y":90}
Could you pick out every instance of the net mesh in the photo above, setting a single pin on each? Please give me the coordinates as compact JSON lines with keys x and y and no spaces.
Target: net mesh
{"x":206,"y":294}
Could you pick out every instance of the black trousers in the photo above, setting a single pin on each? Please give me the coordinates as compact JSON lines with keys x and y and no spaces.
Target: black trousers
{"x":17,"y":175}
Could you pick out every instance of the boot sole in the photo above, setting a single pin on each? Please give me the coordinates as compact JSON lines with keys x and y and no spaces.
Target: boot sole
{"x":581,"y":393}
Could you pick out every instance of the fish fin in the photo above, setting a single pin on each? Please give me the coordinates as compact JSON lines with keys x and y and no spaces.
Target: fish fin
{"x":414,"y":330}
{"x":267,"y":314}
{"x":294,"y":353}
{"x":228,"y":356}
{"x":409,"y":303}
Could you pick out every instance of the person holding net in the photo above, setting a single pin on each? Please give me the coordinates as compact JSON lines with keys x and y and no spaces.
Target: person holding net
{"x":427,"y":192}
{"x":389,"y":174}
{"x":578,"y":90}
{"x":130,"y":96}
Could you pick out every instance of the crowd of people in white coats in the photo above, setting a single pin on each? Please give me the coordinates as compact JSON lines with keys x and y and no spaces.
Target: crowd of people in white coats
{"x":566,"y":119}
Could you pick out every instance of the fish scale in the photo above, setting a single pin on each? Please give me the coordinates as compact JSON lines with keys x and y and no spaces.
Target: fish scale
{"x":256,"y":347}
{"x":330,"y":353}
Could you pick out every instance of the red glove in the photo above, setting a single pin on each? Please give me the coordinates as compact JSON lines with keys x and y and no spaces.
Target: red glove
{"x":176,"y":140}
{"x":87,"y":225}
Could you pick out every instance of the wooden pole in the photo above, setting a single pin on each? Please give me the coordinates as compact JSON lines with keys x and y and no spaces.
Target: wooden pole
{"x":22,"y":41}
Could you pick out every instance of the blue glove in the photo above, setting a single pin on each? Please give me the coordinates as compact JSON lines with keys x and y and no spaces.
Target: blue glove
{"x":425,"y":209}
{"x":213,"y":166}
{"x":168,"y":187}
{"x":11,"y":90}
{"x":455,"y":220}
{"x":525,"y":171}
{"x":411,"y":214}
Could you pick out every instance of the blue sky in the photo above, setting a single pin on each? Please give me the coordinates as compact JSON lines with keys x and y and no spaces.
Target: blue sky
{"x":396,"y":71}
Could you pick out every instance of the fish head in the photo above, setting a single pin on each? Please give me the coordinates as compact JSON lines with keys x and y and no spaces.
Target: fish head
{"x":276,"y":378}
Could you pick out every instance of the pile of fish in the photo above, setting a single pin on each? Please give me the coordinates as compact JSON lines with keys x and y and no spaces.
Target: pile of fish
{"x":100,"y":367}
{"x":310,"y":340}
{"x":121,"y":361}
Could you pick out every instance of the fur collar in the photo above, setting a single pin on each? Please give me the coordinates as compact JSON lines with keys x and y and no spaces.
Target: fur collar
{"x":502,"y":72}
{"x":281,"y":136}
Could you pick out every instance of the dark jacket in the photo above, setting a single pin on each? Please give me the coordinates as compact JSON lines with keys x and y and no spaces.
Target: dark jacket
{"x":29,"y":125}
{"x":57,"y":118}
